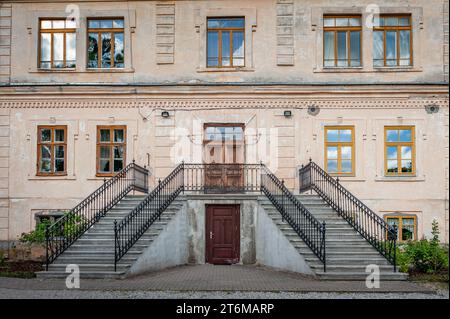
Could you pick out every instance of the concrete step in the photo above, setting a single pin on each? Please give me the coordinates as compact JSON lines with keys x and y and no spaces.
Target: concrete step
{"x":84,"y":274}
{"x":360,"y":276}
{"x":344,"y":268}
{"x":91,"y":267}
{"x":93,"y":259}
{"x":354,"y":260}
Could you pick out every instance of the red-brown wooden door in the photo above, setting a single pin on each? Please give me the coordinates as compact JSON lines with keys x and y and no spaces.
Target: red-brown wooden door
{"x":222,"y":234}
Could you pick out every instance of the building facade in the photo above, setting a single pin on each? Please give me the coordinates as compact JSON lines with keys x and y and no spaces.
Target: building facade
{"x":87,"y":87}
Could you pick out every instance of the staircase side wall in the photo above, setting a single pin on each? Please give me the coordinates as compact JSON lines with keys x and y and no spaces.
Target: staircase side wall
{"x":273,"y":249}
{"x":168,"y":250}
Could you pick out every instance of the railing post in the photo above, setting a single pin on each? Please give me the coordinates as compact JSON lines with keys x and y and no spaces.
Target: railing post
{"x":104,"y":200}
{"x":115,"y":245}
{"x":46,"y":246}
{"x":337,"y":197}
{"x":182,"y":175}
{"x":134,"y":176}
{"x":282,"y":196}
{"x":395,"y":248}
{"x":310,"y":175}
{"x":159,"y":199}
{"x":324,"y":229}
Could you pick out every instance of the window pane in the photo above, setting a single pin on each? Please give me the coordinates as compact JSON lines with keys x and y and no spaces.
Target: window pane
{"x":341,"y":22}
{"x":45,"y":166}
{"x":332,"y":135}
{"x":106,"y":24}
{"x":106,"y":50}
{"x":58,"y":50}
{"x":118,"y":136}
{"x":403,"y":21}
{"x":59,"y":151}
{"x":406,"y":152}
{"x":345,"y":135}
{"x":405,"y":135}
{"x":118,"y":50}
{"x":118,"y":152}
{"x":71,"y":24}
{"x":404,"y":47}
{"x":105,"y":135}
{"x":329,"y":49}
{"x":225,"y":48}
{"x":238,"y":48}
{"x":58,"y":24}
{"x":346,"y":166}
{"x":226,"y":23}
{"x":118,"y":23}
{"x":408,"y":229}
{"x":328,"y":22}
{"x":406,"y":166}
{"x":46,"y":151}
{"x":45,"y":50}
{"x":118,"y":165}
{"x":392,"y":135}
{"x":355,"y":48}
{"x":391,"y":21}
{"x":378,"y":48}
{"x":346,"y":152}
{"x":355,"y":22}
{"x":213,"y":48}
{"x":332,"y":166}
{"x":70,"y":50}
{"x":332,"y":152}
{"x":105,"y":166}
{"x":342,"y":49}
{"x":46,"y":135}
{"x":392,"y":152}
{"x":59,"y":165}
{"x":46,"y":24}
{"x":59,"y":135}
{"x":391,"y":48}
{"x":392,"y":166}
{"x":392,"y":222}
{"x":105,"y":152}
{"x":93,"y":50}
{"x":94,"y":24}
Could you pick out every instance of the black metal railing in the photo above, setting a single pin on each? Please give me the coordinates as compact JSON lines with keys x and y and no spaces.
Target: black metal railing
{"x":292,"y":210}
{"x":366,"y":222}
{"x":66,"y":230}
{"x":222,"y":178}
{"x":128,"y":231}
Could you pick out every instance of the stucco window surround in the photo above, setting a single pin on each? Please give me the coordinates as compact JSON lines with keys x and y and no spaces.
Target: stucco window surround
{"x":81,"y":39}
{"x":405,"y":214}
{"x":420,"y":149}
{"x":201,"y":18}
{"x":317,"y":14}
{"x":360,"y":148}
{"x":90,"y":137}
{"x":32,"y":142}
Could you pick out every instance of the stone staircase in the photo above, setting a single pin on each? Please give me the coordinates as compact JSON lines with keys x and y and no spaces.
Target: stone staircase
{"x":93,"y":252}
{"x":347,"y":252}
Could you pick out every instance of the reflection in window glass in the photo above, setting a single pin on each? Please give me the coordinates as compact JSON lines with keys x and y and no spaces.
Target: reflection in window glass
{"x":399,"y":148}
{"x":339,"y":150}
{"x":57,"y":44}
{"x":111,"y":149}
{"x":51,"y":157}
{"x":106,"y":43}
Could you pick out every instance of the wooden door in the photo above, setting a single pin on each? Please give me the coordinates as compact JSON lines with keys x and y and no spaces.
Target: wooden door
{"x":224,"y":158}
{"x":222,"y":234}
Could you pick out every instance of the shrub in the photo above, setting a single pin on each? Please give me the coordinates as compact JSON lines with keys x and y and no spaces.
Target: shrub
{"x":37,"y":235}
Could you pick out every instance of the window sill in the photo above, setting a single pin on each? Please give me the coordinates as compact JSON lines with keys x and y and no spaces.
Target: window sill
{"x":51,"y":177}
{"x":65,"y":70}
{"x":233,"y":69}
{"x":72,"y":70}
{"x":339,"y":69}
{"x":409,"y":178}
{"x":362,"y":70}
{"x":111,"y":70}
{"x":396,"y":69}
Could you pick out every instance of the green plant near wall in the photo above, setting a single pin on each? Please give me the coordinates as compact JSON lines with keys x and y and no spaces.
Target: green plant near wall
{"x":72,"y":225}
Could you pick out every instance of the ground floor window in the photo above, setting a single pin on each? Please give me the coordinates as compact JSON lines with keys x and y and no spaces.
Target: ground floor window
{"x":52,"y":149}
{"x":340,"y":150}
{"x":406,"y":226}
{"x":111,"y":149}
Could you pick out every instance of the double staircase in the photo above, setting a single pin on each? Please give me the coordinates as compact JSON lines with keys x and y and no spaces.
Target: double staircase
{"x":337,"y":235}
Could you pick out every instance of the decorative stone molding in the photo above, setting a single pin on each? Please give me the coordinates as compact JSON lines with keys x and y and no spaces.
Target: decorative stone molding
{"x":269,"y":103}
{"x":285,"y":32}
{"x":5,"y":42}
{"x":165,"y":32}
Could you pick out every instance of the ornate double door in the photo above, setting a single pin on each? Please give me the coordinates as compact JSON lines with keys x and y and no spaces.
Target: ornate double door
{"x":224,"y":157}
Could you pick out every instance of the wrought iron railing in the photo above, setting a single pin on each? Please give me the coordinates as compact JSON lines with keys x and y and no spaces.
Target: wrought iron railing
{"x":128,"y":231}
{"x":366,"y":222}
{"x":292,"y":210}
{"x":66,"y":230}
{"x":222,"y":178}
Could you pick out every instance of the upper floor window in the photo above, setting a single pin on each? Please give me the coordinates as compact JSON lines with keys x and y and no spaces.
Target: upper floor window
{"x":111,"y":149}
{"x":399,"y":150}
{"x":392,"y":41}
{"x":57,"y":43}
{"x":339,"y":150}
{"x":52,"y":146}
{"x":105,"y":47}
{"x":342,"y":41}
{"x":225,"y":42}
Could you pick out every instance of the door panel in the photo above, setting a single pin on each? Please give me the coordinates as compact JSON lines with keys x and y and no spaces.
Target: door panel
{"x":222,"y":234}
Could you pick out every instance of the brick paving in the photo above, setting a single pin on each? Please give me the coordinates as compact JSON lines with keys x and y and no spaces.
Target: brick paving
{"x":216,"y":278}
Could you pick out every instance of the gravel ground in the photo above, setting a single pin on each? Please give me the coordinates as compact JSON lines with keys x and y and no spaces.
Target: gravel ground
{"x":6,"y":293}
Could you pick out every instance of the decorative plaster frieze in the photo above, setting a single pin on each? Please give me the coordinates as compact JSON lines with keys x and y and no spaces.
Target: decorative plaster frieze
{"x":266,"y":103}
{"x":285,"y":32}
{"x":165,"y":32}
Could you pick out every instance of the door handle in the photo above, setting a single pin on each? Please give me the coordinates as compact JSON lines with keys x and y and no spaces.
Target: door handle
{"x":210,"y":235}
